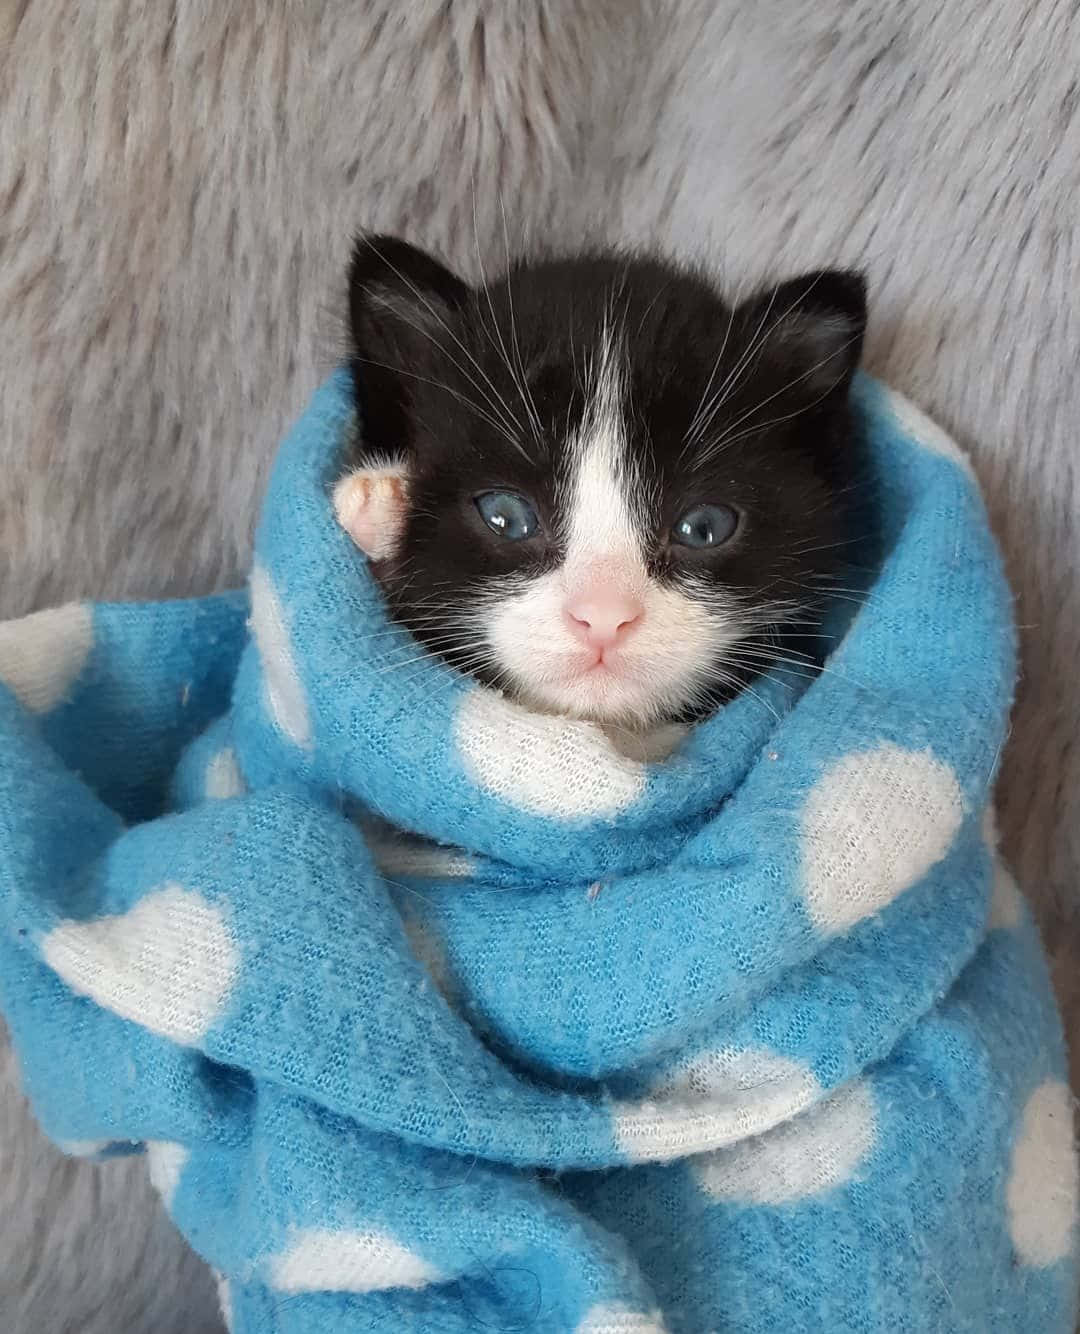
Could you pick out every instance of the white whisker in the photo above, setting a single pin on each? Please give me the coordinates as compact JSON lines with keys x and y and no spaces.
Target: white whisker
{"x":498,"y":402}
{"x":522,"y":384}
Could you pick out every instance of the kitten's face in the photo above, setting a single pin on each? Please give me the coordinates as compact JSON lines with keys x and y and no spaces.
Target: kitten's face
{"x":620,"y":495}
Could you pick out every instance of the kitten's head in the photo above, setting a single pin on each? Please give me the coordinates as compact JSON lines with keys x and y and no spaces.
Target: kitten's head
{"x":617,"y":494}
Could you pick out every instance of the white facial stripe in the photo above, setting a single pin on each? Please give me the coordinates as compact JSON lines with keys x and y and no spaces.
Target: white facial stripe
{"x":600,"y":523}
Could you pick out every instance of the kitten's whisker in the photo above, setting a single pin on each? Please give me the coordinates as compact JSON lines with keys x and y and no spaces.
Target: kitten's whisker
{"x":728,"y":438}
{"x":501,"y":348}
{"x":442,"y":322}
{"x":523,"y":386}
{"x":827,"y":546}
{"x":509,"y":423}
{"x":576,"y":378}
{"x":760,"y":699}
{"x":692,"y":429}
{"x":463,"y":399}
{"x":860,"y":597}
{"x":648,"y":309}
{"x":763,"y":661}
{"x":727,"y":388}
{"x":756,"y":345}
{"x":825,"y":670}
{"x":436,"y":647}
{"x":498,"y":399}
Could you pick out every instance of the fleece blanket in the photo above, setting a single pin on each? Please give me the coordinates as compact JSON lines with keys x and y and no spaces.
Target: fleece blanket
{"x":432,"y":1013}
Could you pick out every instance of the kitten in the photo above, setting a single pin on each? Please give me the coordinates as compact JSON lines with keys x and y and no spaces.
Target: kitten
{"x":594,"y":483}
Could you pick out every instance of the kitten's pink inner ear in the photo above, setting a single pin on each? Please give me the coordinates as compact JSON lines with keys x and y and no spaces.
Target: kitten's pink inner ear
{"x":371,"y":505}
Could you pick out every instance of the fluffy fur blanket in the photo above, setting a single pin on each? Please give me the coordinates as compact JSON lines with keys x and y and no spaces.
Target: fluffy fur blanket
{"x":177,"y":189}
{"x":758,"y":1037}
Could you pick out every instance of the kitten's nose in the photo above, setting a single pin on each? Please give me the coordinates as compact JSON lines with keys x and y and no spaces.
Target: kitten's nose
{"x":603,"y":617}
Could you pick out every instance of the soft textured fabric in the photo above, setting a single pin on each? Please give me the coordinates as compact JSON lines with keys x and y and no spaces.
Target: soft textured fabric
{"x":435,"y":1014}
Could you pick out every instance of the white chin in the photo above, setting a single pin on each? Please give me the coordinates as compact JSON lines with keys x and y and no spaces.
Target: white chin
{"x":601,"y":697}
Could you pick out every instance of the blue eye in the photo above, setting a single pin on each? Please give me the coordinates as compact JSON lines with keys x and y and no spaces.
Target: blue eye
{"x":705,"y":526}
{"x":508,"y":515}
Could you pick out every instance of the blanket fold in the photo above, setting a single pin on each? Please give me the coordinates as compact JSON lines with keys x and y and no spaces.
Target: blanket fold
{"x":432,"y":1013}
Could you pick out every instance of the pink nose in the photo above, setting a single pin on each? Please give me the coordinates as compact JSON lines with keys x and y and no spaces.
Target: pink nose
{"x":603,"y":617}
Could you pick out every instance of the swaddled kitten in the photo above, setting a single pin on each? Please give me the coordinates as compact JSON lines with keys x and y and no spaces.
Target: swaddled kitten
{"x":594,"y":483}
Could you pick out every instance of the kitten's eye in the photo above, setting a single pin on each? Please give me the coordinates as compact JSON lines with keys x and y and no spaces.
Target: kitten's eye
{"x":705,"y":526}
{"x":509,"y":515}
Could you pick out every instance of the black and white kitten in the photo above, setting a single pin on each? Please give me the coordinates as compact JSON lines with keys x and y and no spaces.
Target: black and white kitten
{"x":594,"y":483}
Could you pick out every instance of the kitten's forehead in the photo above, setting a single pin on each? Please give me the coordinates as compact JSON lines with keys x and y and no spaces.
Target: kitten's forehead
{"x":602,"y":346}
{"x":602,"y":516}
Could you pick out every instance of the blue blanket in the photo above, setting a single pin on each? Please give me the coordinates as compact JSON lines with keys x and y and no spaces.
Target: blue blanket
{"x":434,"y":1014}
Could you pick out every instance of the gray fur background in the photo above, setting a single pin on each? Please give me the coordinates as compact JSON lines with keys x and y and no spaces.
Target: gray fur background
{"x":178,"y":182}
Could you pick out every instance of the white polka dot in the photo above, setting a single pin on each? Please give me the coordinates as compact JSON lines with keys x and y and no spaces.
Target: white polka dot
{"x":614,"y":1319}
{"x":873,"y":825}
{"x":1042,"y":1189}
{"x":712,"y":1101}
{"x":284,"y":692}
{"x":224,"y":1296}
{"x":85,"y":1148}
{"x":805,"y":1156}
{"x":323,"y":1260}
{"x":167,"y":964}
{"x":1006,"y":901}
{"x":165,"y":1161}
{"x":917,"y":426}
{"x":42,"y":655}
{"x":545,"y":765}
{"x":223,"y":777}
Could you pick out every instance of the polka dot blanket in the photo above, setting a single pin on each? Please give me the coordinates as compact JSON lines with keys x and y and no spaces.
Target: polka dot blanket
{"x":433,"y":1014}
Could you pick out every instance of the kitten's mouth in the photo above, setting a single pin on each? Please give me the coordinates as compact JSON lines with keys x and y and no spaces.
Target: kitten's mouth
{"x":608,"y":688}
{"x":605,"y":663}
{"x":604,"y":682}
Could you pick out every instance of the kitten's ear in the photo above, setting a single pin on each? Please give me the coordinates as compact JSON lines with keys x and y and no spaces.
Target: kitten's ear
{"x":401,"y":304}
{"x":813,"y":327}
